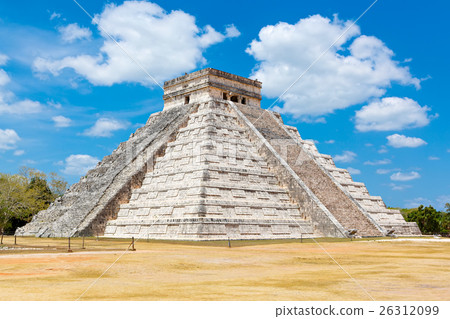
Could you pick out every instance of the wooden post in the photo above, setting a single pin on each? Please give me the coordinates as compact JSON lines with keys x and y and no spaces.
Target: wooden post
{"x":15,"y":240}
{"x":132,"y":244}
{"x":229,"y":243}
{"x":82,"y":247}
{"x":69,"y":250}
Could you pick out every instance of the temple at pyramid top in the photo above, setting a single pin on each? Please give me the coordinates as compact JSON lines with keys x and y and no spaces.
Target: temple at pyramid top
{"x":208,"y":83}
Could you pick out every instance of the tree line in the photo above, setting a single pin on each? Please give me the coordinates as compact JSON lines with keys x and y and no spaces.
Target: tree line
{"x":429,"y":220}
{"x":24,"y":194}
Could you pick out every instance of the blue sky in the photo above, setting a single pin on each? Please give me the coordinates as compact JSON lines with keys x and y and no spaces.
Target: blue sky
{"x":376,"y":101}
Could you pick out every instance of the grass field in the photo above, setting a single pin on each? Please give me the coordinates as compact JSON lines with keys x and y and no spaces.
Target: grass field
{"x":256,"y":270}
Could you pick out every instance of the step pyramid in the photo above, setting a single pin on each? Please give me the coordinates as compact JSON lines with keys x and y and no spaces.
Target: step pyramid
{"x":213,"y":165}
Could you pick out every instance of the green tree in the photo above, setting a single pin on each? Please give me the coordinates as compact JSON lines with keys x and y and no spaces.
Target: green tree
{"x":25,"y":194}
{"x":15,"y":201}
{"x":427,"y":218}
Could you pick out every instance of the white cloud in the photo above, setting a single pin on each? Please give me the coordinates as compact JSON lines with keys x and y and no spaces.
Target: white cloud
{"x":391,"y":113}
{"x":438,"y":203}
{"x":383,"y":149}
{"x":329,"y":142}
{"x":9,"y":104}
{"x":416,"y":202}
{"x":312,"y":140}
{"x":441,"y":201}
{"x":8,"y":139}
{"x":433,"y":158}
{"x":355,"y":69}
{"x":54,"y":104}
{"x":55,"y":15}
{"x":72,"y":32}
{"x":396,"y":187}
{"x":3,"y":59}
{"x":231,"y":31}
{"x":21,"y":107}
{"x":79,"y":164}
{"x":19,"y":152}
{"x":4,"y":78}
{"x":104,"y":127}
{"x":61,"y":121}
{"x":379,"y":162}
{"x":398,"y":141}
{"x":345,"y":157}
{"x":402,"y":177}
{"x":383,"y":171}
{"x":353,"y":171}
{"x":165,"y":44}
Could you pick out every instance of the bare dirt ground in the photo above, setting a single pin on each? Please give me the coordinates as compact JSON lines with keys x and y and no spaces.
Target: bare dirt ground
{"x":258,"y":270}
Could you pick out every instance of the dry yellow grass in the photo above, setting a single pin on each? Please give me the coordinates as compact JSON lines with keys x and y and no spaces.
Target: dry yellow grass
{"x":282,"y":270}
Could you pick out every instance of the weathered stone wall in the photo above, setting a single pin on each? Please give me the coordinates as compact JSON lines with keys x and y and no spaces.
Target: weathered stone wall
{"x":324,"y":223}
{"x":210,"y":184}
{"x":341,"y":206}
{"x":210,"y":83}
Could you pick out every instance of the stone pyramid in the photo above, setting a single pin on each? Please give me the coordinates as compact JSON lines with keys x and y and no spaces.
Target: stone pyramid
{"x":215,"y":165}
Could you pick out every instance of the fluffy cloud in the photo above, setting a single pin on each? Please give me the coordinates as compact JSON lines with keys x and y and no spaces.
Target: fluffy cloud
{"x":79,"y":164}
{"x":402,"y":177}
{"x":379,"y":162}
{"x":356,"y":68}
{"x":61,"y":121}
{"x":231,"y":31}
{"x":345,"y":157}
{"x":19,"y":152}
{"x":104,"y":127}
{"x":9,"y":104}
{"x":398,"y":141}
{"x":21,"y":107}
{"x":72,"y":32}
{"x":391,"y":113}
{"x":433,"y":158}
{"x":8,"y":139}
{"x":353,"y":171}
{"x":165,"y":44}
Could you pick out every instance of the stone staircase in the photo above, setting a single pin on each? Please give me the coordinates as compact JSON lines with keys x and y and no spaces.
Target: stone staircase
{"x":211,"y":183}
{"x":331,"y":194}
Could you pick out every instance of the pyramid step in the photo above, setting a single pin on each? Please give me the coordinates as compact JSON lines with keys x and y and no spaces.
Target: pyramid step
{"x":211,"y":168}
{"x":268,"y":207}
